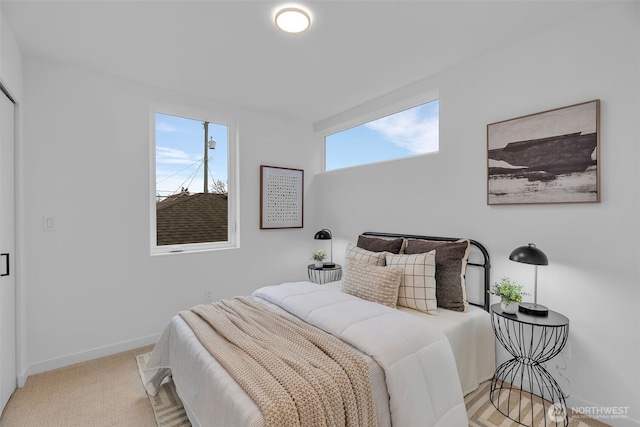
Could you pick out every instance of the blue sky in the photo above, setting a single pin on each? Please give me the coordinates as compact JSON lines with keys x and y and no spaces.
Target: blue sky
{"x":407,"y":133}
{"x":180,"y":146}
{"x":180,"y":151}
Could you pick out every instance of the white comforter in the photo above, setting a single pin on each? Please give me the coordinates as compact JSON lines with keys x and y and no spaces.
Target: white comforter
{"x":418,"y":363}
{"x":420,"y":369}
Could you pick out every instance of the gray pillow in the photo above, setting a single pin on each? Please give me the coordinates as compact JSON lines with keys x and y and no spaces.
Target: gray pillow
{"x":451,"y":264}
{"x":376,"y":244}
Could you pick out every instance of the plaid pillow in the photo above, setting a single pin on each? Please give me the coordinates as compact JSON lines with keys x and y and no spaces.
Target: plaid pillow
{"x":362,"y":255}
{"x":418,"y":286}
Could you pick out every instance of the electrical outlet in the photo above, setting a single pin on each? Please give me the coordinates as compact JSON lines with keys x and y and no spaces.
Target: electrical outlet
{"x":208,"y":295}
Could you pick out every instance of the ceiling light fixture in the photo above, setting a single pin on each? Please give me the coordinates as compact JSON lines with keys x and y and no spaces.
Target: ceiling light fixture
{"x":292,"y":19}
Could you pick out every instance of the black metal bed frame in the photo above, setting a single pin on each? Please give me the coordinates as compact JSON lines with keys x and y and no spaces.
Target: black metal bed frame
{"x":485,"y":265}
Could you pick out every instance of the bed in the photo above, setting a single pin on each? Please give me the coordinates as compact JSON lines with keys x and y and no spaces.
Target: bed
{"x":420,"y":365}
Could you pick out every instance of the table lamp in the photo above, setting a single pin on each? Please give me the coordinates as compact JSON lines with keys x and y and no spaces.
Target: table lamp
{"x":530,"y":254}
{"x":325,"y":234}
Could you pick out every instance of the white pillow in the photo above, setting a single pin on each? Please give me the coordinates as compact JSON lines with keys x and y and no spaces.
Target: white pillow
{"x":418,"y":286}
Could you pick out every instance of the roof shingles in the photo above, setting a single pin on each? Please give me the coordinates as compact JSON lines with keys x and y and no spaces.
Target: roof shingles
{"x":192,"y":218}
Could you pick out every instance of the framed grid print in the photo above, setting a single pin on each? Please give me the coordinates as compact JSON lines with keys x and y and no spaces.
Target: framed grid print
{"x":281,"y":197}
{"x":548,"y":157}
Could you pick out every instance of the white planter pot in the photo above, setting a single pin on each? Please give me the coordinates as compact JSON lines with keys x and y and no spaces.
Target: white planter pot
{"x":319,"y":264}
{"x":509,"y":307}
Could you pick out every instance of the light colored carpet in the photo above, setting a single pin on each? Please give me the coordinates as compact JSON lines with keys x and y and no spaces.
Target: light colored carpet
{"x":101,"y":392}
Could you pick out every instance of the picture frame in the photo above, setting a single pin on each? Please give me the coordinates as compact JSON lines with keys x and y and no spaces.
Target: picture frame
{"x":281,"y":197}
{"x":547,"y":157}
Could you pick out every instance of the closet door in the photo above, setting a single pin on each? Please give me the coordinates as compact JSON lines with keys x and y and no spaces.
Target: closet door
{"x":8,"y":381}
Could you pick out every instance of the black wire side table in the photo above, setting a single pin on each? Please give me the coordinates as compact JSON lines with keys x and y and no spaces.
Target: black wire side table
{"x":531,"y":340}
{"x":324,"y":274}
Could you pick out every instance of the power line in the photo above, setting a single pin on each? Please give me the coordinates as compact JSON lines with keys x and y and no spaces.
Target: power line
{"x":193,"y":176}
{"x":182,"y":170}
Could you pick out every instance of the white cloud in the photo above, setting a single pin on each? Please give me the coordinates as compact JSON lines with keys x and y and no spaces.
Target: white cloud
{"x":173,"y":156}
{"x":165,"y":127}
{"x":408,"y":130}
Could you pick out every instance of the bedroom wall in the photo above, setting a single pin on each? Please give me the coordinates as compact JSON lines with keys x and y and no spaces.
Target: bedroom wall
{"x":92,"y":287}
{"x":593,"y":248}
{"x":10,"y":61}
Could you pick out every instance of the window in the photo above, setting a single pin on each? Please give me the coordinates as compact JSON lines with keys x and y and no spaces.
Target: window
{"x":407,"y":133}
{"x":194,"y":195}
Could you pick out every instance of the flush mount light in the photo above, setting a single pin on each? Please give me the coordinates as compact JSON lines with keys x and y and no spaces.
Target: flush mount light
{"x":292,"y":19}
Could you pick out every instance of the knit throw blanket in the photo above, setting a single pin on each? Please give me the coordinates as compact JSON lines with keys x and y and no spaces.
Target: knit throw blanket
{"x":297,"y":374}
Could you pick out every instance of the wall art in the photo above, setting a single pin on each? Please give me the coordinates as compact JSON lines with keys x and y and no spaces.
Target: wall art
{"x":281,"y":197}
{"x":548,"y":157}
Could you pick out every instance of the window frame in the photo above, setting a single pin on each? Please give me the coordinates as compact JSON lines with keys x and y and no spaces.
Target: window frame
{"x":233,"y":229}
{"x":376,"y":109}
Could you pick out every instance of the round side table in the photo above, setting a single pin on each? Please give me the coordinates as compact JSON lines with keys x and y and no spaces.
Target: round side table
{"x":531,"y":340}
{"x":324,"y":274}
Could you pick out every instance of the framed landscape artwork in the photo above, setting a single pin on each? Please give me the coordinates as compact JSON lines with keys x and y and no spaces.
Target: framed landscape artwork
{"x":281,"y":197}
{"x":548,"y":157}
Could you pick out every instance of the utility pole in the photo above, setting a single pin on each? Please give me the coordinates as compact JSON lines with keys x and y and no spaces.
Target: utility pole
{"x":206,"y":157}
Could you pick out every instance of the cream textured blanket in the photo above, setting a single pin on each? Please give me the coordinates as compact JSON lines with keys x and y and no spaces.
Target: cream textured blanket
{"x":297,"y":374}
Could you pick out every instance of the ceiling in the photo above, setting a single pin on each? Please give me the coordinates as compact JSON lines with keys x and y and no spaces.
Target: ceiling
{"x":230,"y":51}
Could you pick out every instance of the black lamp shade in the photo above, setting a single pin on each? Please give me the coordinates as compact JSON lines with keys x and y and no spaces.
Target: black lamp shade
{"x":323,"y":234}
{"x":529,"y":255}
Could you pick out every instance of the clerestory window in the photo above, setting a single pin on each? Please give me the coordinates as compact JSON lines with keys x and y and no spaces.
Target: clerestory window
{"x":410,"y":132}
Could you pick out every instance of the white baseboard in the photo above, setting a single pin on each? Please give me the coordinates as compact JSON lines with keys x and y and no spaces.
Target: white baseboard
{"x":59,"y":362}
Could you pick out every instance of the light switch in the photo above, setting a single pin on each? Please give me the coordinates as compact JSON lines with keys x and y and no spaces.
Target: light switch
{"x":48,"y":223}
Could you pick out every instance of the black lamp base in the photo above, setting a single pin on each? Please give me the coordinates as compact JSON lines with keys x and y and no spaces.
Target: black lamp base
{"x":533,"y":309}
{"x":329,"y":265}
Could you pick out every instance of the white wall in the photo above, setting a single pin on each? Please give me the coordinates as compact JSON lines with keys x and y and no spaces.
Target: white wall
{"x":10,"y":61}
{"x":593,"y":248}
{"x":92,"y":287}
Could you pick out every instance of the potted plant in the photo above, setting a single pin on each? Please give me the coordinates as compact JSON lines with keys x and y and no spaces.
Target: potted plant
{"x":510,"y":294}
{"x":319,"y":256}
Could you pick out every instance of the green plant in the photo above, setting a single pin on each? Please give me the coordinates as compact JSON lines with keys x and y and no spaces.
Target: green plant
{"x":508,"y":290}
{"x":318,"y":255}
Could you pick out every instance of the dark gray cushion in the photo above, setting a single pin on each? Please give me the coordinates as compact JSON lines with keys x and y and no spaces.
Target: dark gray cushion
{"x":451,"y":264}
{"x":376,"y":244}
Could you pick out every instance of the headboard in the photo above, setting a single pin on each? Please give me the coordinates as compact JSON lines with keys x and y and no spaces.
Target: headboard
{"x":477,"y":279}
